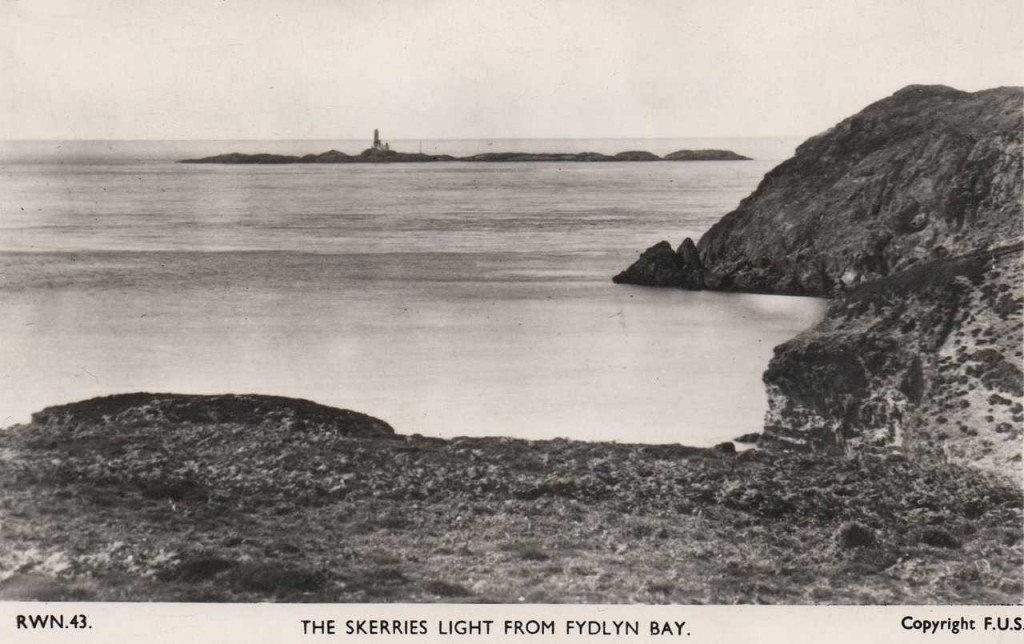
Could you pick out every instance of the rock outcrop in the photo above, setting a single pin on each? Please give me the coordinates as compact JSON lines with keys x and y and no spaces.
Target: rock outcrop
{"x":908,"y":215}
{"x":659,"y":265}
{"x":146,"y":409}
{"x":928,"y":359}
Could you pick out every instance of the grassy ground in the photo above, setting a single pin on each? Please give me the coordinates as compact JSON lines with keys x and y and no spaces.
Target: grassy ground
{"x":283,"y":512}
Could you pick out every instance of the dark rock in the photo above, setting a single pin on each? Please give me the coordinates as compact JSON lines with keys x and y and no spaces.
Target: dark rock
{"x":688,"y":251}
{"x":728,"y":447}
{"x":996,"y":399}
{"x":837,"y":388}
{"x":659,"y":265}
{"x":273,"y":578}
{"x":855,"y":535}
{"x":446,"y":589}
{"x":198,"y":568}
{"x":938,"y":538}
{"x":748,"y":439}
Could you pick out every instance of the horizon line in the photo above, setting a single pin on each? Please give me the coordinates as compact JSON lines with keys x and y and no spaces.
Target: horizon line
{"x":506,"y":138}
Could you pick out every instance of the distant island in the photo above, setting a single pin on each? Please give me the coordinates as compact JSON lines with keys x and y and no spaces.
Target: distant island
{"x":381,"y":152}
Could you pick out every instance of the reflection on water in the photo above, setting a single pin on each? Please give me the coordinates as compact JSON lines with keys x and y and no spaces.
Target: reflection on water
{"x":447,"y":301}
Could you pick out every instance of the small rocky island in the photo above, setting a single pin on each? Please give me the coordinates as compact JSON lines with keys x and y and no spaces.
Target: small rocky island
{"x":381,"y":152}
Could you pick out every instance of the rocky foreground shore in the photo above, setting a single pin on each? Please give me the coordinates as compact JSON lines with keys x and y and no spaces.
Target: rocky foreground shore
{"x":253,"y":498}
{"x":908,"y":215}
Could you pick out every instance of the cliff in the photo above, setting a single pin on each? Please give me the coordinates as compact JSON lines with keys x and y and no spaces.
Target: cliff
{"x":928,"y":360}
{"x":908,"y":215}
{"x":927,"y":172}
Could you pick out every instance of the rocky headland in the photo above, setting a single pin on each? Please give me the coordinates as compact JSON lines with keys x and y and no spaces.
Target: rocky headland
{"x":374,"y":155}
{"x":908,"y":215}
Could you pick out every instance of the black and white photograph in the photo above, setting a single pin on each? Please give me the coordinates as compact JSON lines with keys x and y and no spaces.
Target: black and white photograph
{"x":679,"y":302}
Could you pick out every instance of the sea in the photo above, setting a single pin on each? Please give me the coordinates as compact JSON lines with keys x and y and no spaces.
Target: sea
{"x":448,"y":299}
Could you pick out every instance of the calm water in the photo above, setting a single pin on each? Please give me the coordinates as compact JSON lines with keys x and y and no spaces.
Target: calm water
{"x":454,"y":299}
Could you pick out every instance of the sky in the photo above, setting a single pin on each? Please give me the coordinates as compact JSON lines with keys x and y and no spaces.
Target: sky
{"x":422,"y":69}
